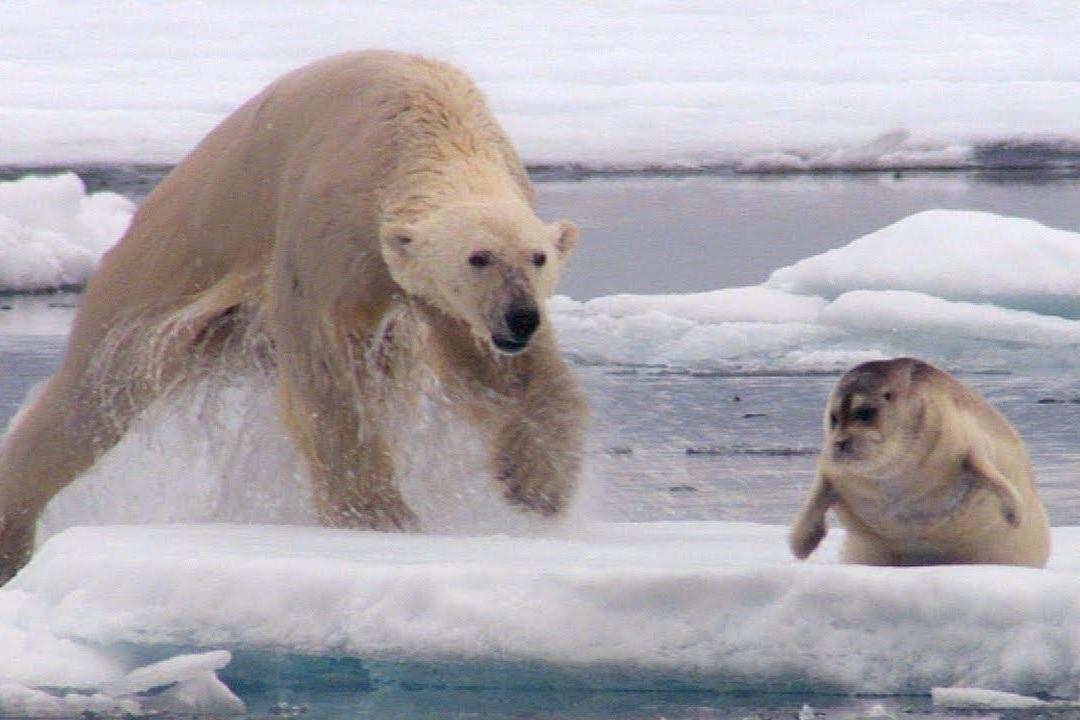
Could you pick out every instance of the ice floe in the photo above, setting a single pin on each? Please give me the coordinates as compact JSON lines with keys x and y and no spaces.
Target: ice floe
{"x":766,"y":86}
{"x":706,"y":605}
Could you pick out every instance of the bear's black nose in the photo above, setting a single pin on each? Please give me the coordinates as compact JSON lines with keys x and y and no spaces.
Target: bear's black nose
{"x":522,"y":321}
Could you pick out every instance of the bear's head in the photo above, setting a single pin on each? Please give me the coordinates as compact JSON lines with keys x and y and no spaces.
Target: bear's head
{"x":488,"y":264}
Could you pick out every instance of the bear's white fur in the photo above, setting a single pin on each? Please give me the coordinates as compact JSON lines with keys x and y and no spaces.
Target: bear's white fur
{"x":360,"y":219}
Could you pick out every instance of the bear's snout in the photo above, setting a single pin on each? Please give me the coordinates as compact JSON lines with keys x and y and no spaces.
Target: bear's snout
{"x":522,"y":321}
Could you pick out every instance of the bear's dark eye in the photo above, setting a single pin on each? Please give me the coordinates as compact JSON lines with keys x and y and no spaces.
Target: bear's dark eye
{"x":866,"y":414}
{"x":833,"y":420}
{"x":539,"y":258}
{"x":480,"y":258}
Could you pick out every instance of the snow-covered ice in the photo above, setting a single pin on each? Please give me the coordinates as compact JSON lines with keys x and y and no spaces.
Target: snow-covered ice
{"x":980,"y":257}
{"x":971,"y":290}
{"x":706,"y":605}
{"x":769,"y":84}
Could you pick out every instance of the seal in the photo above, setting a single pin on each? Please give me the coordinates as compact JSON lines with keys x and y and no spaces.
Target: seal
{"x":921,"y":470}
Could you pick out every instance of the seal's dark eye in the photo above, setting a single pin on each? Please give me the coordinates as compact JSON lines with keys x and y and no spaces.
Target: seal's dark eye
{"x":539,"y":258}
{"x":833,"y":420}
{"x":480,"y":258}
{"x":865,"y":414}
{"x":887,"y":396}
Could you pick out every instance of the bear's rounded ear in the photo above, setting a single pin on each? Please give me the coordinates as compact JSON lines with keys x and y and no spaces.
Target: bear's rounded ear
{"x":396,"y":238}
{"x":566,"y":237}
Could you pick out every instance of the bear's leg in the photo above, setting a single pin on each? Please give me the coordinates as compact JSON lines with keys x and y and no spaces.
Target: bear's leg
{"x":16,"y":543}
{"x":36,"y":455}
{"x":347,"y":456}
{"x":54,"y":440}
{"x":539,"y":450}
{"x":107,"y":377}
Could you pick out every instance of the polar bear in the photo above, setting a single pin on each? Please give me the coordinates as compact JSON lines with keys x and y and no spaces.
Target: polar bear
{"x":359,"y":218}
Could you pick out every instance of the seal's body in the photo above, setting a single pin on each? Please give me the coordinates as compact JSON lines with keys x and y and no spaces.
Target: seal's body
{"x":921,"y":470}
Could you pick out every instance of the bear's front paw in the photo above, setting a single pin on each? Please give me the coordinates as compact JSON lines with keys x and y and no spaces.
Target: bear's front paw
{"x":543,"y":500}
{"x":387,"y":515}
{"x":395,"y":516}
{"x":544,"y":503}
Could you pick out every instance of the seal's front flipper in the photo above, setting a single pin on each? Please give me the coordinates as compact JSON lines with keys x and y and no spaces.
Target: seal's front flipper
{"x":809,"y":528}
{"x":987,"y":475}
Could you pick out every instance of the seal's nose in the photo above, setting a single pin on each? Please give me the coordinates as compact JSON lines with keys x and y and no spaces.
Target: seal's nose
{"x":522,"y":321}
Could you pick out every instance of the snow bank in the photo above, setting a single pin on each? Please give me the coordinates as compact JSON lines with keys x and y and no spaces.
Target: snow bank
{"x":52,"y":233}
{"x":958,"y":255}
{"x":763,"y":85}
{"x":752,"y":325}
{"x":707,"y":605}
{"x":903,"y":311}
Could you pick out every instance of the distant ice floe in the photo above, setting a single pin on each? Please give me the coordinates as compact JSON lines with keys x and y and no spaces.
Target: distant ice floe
{"x":964,"y":698}
{"x":708,"y":606}
{"x":956,"y":255}
{"x":971,"y":290}
{"x":890,"y":150}
{"x":766,"y":85}
{"x":53,"y":233}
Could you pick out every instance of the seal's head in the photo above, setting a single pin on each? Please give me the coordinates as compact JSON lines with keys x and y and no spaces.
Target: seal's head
{"x":875,"y":411}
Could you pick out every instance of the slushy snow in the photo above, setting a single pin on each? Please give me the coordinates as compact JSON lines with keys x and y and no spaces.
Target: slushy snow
{"x":764,"y":85}
{"x":183,"y":684}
